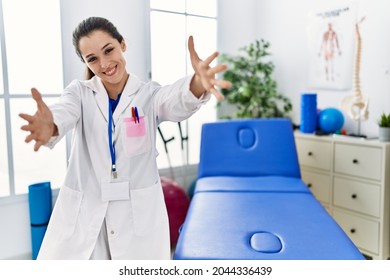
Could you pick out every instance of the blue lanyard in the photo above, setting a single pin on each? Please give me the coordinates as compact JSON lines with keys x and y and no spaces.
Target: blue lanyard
{"x":110,"y":143}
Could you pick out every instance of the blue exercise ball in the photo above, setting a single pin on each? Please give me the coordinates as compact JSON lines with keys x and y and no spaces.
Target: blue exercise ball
{"x":330,"y":120}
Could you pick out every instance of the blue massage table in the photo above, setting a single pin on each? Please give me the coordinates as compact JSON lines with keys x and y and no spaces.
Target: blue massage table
{"x":249,"y":200}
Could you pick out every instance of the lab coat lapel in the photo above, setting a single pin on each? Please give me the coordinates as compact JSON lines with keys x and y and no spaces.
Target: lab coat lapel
{"x":132,"y":86}
{"x":101,"y":96}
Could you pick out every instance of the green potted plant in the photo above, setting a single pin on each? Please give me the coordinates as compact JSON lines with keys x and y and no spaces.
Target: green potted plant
{"x":254,"y":91}
{"x":384,"y":127}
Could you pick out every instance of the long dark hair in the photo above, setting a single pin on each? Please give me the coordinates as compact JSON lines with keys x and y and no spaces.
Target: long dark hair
{"x":89,"y":25}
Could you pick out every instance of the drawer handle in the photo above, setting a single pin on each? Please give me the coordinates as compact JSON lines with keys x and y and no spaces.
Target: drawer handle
{"x":353,"y":230}
{"x":309,"y":154}
{"x":355,"y":161}
{"x":354,"y":196}
{"x":309,"y":185}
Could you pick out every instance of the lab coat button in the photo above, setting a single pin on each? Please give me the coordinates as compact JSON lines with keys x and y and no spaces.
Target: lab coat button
{"x":112,"y":232}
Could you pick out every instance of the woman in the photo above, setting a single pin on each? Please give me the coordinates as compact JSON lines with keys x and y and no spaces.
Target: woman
{"x":111,"y":205}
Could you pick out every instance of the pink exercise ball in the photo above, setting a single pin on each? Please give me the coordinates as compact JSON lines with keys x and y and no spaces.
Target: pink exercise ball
{"x":177,"y":203}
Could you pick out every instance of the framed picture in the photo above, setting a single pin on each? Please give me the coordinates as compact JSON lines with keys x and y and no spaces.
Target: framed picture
{"x":330,"y":33}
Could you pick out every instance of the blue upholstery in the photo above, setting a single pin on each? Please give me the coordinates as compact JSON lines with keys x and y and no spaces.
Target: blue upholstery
{"x":255,"y":147}
{"x":249,"y":201}
{"x":251,"y":184}
{"x":221,"y":224}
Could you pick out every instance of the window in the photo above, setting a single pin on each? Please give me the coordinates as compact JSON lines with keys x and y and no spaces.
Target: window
{"x":4,"y":178}
{"x":31,"y":56}
{"x":172,"y":22}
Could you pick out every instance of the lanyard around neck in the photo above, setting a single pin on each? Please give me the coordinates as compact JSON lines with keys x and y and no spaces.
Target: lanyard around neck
{"x":110,"y":143}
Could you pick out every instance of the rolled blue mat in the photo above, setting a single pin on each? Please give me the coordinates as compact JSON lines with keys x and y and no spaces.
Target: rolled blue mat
{"x":308,"y":112}
{"x":37,"y":234}
{"x":40,"y":205}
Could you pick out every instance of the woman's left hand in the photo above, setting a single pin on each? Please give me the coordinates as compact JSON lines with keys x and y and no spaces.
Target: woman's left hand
{"x":204,"y":79}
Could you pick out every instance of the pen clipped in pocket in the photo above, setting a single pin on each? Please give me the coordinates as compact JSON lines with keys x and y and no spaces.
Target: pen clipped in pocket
{"x":135,"y":136}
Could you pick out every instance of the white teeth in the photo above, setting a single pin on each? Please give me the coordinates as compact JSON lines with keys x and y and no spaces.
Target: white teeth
{"x":110,"y":72}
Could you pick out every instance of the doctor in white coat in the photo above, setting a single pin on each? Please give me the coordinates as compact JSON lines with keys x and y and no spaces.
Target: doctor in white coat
{"x":111,"y":204}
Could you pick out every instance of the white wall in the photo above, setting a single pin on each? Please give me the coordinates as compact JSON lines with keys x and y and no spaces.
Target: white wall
{"x":289,"y":46}
{"x":15,"y":238}
{"x":237,"y":27}
{"x":283,"y":24}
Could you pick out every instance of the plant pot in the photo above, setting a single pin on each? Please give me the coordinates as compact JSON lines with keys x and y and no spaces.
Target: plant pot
{"x":384,"y":134}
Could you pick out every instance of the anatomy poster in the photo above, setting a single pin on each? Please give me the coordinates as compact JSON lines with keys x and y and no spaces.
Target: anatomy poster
{"x":331,"y":46}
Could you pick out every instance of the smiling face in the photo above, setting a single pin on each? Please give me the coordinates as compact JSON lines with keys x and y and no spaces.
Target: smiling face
{"x":103,"y":54}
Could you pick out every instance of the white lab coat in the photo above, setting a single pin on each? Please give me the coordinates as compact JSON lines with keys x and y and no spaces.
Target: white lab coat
{"x":137,"y":227}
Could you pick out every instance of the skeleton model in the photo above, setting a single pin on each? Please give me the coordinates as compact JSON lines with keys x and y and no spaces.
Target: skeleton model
{"x":356,"y":105}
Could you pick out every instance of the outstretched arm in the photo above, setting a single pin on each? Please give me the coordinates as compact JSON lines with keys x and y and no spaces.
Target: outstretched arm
{"x":40,"y":125}
{"x":204,"y":79}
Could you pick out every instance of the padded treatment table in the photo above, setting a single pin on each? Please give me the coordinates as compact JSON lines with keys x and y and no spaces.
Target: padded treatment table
{"x":250,"y":202}
{"x":258,"y":225}
{"x":250,"y":184}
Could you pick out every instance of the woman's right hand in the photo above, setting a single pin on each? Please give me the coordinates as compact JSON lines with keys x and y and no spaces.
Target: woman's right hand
{"x":41,"y":125}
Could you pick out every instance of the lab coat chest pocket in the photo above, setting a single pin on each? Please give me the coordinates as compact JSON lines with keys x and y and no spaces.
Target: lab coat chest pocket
{"x":149,"y":209}
{"x":135,"y":135}
{"x":66,"y":211}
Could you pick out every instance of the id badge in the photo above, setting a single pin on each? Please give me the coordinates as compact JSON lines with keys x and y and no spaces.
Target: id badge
{"x":115,"y":189}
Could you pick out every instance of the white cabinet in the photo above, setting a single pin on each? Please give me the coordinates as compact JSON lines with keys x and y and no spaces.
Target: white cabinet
{"x":351,"y":178}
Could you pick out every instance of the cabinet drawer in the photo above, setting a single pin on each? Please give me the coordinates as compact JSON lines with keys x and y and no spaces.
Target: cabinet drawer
{"x":315,"y":154}
{"x":319,"y":184}
{"x":357,"y":196}
{"x":364,"y":233}
{"x":358,"y":161}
